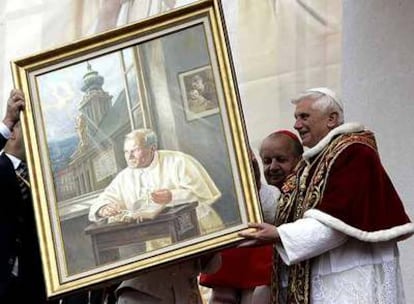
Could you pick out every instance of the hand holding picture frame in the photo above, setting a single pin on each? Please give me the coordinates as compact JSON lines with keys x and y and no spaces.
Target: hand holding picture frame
{"x":85,"y":97}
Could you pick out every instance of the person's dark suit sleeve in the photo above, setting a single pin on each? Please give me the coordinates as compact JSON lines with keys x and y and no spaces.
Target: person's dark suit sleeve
{"x":7,"y":224}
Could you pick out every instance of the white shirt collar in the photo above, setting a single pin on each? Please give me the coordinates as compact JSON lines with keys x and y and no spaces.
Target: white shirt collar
{"x":16,"y":161}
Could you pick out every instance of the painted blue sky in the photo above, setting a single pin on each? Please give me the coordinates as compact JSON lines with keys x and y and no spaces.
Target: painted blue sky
{"x":60,"y":93}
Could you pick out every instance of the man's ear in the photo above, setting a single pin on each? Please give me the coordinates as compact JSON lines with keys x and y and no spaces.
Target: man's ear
{"x":13,"y":134}
{"x":333,"y":120}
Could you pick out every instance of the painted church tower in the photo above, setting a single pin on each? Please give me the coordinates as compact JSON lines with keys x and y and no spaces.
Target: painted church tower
{"x":93,"y":106}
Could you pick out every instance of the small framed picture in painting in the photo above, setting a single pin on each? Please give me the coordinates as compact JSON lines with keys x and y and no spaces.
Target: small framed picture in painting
{"x":199,"y":93}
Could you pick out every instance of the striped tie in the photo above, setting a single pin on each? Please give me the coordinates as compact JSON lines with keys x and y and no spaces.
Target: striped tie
{"x":24,"y":185}
{"x":23,"y":180}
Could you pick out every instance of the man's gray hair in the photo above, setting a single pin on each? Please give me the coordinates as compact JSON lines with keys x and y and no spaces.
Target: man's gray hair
{"x":143,"y":137}
{"x":324,"y":100}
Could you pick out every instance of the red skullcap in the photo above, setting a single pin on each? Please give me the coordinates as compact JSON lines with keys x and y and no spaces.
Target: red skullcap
{"x":287,"y":133}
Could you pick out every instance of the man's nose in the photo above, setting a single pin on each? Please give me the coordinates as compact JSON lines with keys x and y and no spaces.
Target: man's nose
{"x":298,"y":124}
{"x":274,"y":165}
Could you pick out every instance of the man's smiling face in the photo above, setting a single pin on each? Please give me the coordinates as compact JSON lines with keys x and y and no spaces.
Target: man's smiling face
{"x":311,"y":123}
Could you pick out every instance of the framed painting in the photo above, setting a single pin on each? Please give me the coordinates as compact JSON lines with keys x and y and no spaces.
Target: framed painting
{"x":92,"y":105}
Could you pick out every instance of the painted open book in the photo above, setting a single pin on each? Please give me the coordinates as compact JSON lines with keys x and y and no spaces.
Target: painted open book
{"x":147,"y":212}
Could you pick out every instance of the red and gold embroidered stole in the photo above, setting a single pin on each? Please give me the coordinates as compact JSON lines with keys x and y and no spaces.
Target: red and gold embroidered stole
{"x":301,"y":191}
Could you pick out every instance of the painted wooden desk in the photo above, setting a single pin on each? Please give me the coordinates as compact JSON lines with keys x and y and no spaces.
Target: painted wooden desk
{"x":179,"y":223}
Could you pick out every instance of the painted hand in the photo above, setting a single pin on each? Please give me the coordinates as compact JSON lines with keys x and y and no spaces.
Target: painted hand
{"x":109,"y":210}
{"x":162,"y":196}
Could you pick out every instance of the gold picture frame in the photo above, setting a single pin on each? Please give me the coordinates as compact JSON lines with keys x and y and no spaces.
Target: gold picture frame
{"x":82,"y":98}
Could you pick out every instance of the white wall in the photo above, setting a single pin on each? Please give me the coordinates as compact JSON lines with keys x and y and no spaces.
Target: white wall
{"x":378,"y":90}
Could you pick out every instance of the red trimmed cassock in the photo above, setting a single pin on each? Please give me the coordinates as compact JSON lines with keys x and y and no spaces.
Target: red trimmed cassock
{"x":339,"y":220}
